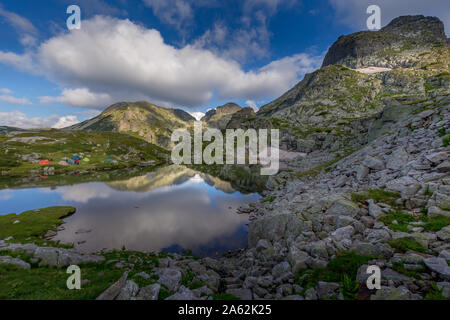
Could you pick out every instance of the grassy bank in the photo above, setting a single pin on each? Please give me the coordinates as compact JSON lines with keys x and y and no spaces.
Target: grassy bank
{"x":22,"y":152}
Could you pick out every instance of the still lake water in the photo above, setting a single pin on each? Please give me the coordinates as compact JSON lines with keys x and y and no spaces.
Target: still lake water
{"x":170,"y":209}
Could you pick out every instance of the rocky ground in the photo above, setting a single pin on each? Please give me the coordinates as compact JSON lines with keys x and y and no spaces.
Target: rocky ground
{"x":386,"y":205}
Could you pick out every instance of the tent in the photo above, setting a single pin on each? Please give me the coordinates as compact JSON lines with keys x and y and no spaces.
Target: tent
{"x":76,"y":157}
{"x":44,"y":162}
{"x":86,"y":159}
{"x":109,"y":159}
{"x":70,"y":161}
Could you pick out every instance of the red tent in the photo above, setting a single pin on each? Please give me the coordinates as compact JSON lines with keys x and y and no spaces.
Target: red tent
{"x":44,"y":162}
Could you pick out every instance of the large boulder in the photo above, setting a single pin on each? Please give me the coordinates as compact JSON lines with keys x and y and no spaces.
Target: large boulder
{"x":274,"y":228}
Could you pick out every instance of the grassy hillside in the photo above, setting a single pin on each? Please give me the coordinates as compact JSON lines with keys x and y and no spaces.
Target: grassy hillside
{"x":22,"y":152}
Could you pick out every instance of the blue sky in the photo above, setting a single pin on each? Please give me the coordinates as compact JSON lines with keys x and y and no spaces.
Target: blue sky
{"x":190,"y":54}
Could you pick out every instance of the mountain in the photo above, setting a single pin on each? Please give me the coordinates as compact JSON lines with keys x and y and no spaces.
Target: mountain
{"x":367,"y":80}
{"x":148,"y":121}
{"x":219,"y":117}
{"x":6,"y":130}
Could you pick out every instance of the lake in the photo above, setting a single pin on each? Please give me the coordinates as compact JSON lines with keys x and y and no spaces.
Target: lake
{"x":170,"y":209}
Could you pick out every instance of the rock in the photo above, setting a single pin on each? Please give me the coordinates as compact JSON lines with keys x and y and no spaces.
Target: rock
{"x":444,"y":234}
{"x":310,"y":294}
{"x":445,"y":254}
{"x":436,"y":212}
{"x":392,"y":293}
{"x":344,"y":207}
{"x":361,"y":172}
{"x":281,"y":269}
{"x":389,"y":274}
{"x":362,"y":274}
{"x":274,"y":228}
{"x":183,"y":294}
{"x":171,"y":278}
{"x":129,"y":290}
{"x":373,"y":249}
{"x":298,"y":259}
{"x":377,"y":235}
{"x":203,"y":291}
{"x":14,"y":261}
{"x":327,"y":290}
{"x":150,"y":292}
{"x":374,"y":210}
{"x":58,"y":257}
{"x":445,"y":288}
{"x":263,"y":244}
{"x":343,"y":233}
{"x":397,"y":159}
{"x":373,"y":163}
{"x":444,"y":167}
{"x":437,"y":157}
{"x":438,"y":265}
{"x":242,"y":294}
{"x":142,"y":275}
{"x":113,"y":291}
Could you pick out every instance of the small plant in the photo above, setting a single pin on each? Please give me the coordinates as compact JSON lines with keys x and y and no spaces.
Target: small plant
{"x":406,"y":244}
{"x":446,"y":141}
{"x":402,"y":218}
{"x":269,"y":199}
{"x":350,"y":288}
{"x":435,"y":293}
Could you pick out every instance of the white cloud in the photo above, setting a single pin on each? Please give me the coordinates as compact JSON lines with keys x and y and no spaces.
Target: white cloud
{"x":172,"y":12}
{"x":23,"y":26}
{"x":65,"y":122}
{"x":14,"y":100}
{"x":5,"y":91}
{"x":252,"y":104}
{"x":140,"y":65}
{"x":197,"y":115}
{"x":20,"y":120}
{"x":353,"y":12}
{"x":81,"y":97}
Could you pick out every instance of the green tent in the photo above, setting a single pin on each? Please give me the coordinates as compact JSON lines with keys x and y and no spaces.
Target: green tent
{"x":86,"y":159}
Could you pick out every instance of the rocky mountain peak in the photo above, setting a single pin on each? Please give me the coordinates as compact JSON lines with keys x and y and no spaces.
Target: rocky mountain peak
{"x":418,"y":27}
{"x":393,"y":46}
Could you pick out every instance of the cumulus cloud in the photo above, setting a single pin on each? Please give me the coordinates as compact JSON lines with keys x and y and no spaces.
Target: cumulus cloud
{"x":65,"y":122}
{"x":353,"y":12}
{"x":14,"y":100}
{"x":109,"y":59}
{"x":5,"y":91}
{"x":250,"y":38}
{"x":20,"y":120}
{"x":252,"y":104}
{"x":172,"y":12}
{"x":197,"y":115}
{"x":80,"y":97}
{"x":23,"y":26}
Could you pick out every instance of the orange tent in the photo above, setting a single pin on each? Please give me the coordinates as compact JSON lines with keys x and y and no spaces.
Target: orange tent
{"x":44,"y":162}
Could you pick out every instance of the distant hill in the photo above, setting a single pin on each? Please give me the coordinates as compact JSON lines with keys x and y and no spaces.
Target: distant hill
{"x":219,"y":117}
{"x":150,"y":122}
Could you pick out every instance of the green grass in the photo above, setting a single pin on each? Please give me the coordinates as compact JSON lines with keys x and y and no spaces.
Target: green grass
{"x":99,"y":146}
{"x":435,"y":293}
{"x":398,"y":266}
{"x":378,"y":195}
{"x":342,"y":269}
{"x":436,"y":223}
{"x":33,"y":224}
{"x":406,"y":244}
{"x":446,"y":141}
{"x":402,"y":218}
{"x":268,"y":199}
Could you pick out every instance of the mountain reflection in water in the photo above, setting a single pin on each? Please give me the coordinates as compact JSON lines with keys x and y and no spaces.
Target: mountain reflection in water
{"x":170,"y":209}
